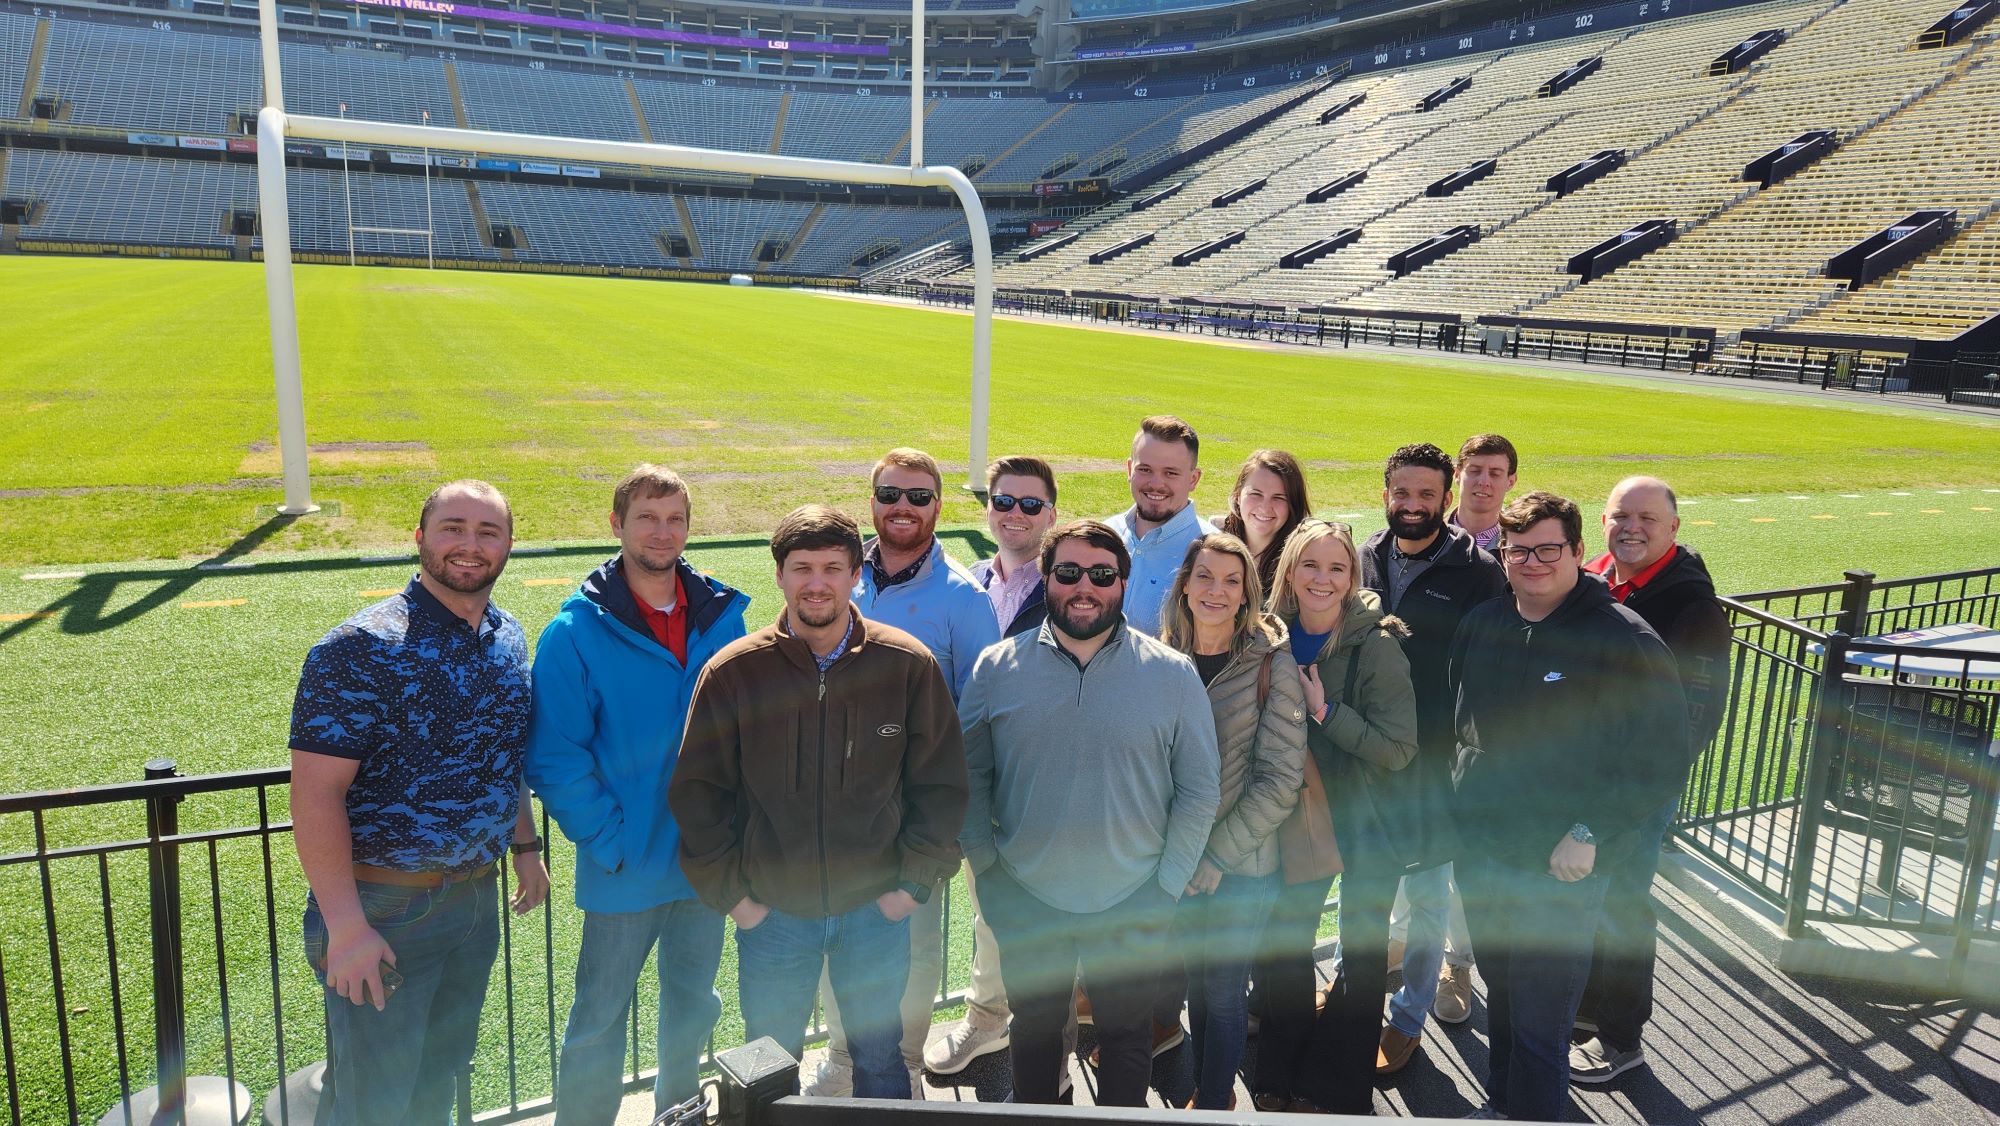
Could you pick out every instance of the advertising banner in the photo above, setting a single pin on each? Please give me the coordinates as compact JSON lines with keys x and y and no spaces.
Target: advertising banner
{"x":149,"y":139}
{"x":415,"y":158}
{"x":491,"y":165}
{"x":584,"y":171}
{"x":1039,"y":227}
{"x":242,"y":144}
{"x":1135,"y":52}
{"x":453,"y":161}
{"x":209,"y":144}
{"x":622,"y":31}
{"x":541,"y":169}
{"x":300,"y":148}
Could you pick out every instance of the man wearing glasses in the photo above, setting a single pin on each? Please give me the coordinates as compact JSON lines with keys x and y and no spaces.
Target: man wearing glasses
{"x":1020,"y":508}
{"x":1572,"y":730}
{"x":908,"y":581}
{"x":1094,"y":781}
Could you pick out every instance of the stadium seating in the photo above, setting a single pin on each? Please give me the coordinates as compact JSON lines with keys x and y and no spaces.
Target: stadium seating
{"x":87,"y":198}
{"x":17,"y":34}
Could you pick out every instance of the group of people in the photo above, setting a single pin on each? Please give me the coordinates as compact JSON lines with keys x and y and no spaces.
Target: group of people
{"x":1153,"y":742}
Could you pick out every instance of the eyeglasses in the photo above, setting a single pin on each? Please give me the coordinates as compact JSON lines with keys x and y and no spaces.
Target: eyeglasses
{"x":1543,"y":552}
{"x":918,"y":498}
{"x":1069,"y":574}
{"x":1033,"y":506}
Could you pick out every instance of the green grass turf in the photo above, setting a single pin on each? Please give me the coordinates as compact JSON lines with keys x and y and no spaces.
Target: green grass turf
{"x":140,"y":421}
{"x":139,"y":407}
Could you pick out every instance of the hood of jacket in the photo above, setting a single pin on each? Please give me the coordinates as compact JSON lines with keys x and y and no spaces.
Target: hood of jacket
{"x":606,"y":589}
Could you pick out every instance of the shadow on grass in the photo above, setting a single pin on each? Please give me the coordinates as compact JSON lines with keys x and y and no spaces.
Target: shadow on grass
{"x":83,"y":610}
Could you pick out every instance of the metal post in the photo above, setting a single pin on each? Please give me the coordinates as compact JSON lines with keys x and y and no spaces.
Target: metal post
{"x":163,"y":880}
{"x":1854,"y":602}
{"x":430,"y":220}
{"x":275,"y":207}
{"x":1828,"y":732}
{"x":917,"y":90}
{"x":347,"y":191}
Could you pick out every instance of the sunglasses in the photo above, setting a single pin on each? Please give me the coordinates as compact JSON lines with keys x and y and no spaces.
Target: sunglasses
{"x":1031,"y":505}
{"x":918,"y":498}
{"x":1545,"y":552}
{"x":1069,"y":574}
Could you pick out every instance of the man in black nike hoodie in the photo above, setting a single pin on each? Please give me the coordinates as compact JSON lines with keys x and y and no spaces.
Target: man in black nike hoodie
{"x":1572,"y":729}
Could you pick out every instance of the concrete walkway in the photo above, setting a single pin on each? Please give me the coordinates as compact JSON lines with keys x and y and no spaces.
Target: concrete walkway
{"x":1733,"y":1041}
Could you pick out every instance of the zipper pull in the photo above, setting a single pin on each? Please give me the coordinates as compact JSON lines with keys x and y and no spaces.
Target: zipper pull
{"x":850,"y":750}
{"x":822,"y":685}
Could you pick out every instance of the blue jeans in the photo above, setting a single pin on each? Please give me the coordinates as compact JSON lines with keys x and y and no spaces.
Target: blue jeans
{"x":1429,"y":893}
{"x":1534,"y":934}
{"x":1219,"y":935}
{"x":867,"y":960}
{"x":615,"y":946}
{"x":1620,"y":994}
{"x":401,"y":1065}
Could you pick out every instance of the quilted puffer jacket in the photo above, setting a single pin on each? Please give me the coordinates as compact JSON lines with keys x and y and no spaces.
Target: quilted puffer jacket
{"x":1263,"y":753}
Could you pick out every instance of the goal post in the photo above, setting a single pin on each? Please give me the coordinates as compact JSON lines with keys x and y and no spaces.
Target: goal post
{"x":274,"y":126}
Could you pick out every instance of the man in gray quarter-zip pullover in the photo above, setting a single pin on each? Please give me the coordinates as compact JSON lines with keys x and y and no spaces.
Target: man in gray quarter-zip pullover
{"x":1093,"y":768}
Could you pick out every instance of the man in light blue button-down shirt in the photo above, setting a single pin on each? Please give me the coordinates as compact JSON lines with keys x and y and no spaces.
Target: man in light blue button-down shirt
{"x":1161,"y":522}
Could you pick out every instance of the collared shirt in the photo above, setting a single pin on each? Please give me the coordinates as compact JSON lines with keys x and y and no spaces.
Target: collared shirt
{"x":669,"y":626}
{"x":436,"y":713}
{"x":1485,"y":540}
{"x":1009,"y":592}
{"x":872,"y":557}
{"x":1404,"y":569}
{"x":824,"y":660}
{"x":1602,"y":565}
{"x":1156,"y":556}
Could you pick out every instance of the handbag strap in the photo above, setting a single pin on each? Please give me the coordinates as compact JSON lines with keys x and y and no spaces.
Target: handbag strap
{"x":1353,"y":671}
{"x":1264,"y":679}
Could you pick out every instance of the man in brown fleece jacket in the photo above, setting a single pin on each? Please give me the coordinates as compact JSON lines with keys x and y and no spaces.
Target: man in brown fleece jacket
{"x":820,"y":793}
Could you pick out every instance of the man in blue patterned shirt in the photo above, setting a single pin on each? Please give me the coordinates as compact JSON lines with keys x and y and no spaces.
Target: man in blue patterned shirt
{"x":407,"y":738}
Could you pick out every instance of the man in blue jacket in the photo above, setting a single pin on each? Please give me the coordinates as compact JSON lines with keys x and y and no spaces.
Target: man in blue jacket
{"x":908,"y":581}
{"x":613,"y":677}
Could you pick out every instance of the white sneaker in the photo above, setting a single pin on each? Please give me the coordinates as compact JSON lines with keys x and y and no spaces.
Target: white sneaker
{"x":833,"y":1080}
{"x":964,"y":1042}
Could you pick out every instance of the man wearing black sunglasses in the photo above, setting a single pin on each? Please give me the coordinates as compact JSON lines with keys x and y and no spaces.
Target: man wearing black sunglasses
{"x":908,"y":581}
{"x":1094,"y":782}
{"x":1572,"y":730}
{"x":1020,"y":509}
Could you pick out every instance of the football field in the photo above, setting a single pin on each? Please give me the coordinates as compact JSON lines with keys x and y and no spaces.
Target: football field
{"x":153,"y":605}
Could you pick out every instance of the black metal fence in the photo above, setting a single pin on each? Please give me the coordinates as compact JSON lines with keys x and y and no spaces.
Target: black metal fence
{"x":153,"y":932}
{"x":1854,"y":778}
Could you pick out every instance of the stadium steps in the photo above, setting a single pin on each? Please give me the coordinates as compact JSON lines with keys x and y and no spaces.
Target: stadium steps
{"x":483,"y":226}
{"x":902,"y":144}
{"x":1010,"y":150}
{"x":778,"y":127}
{"x":33,"y":78}
{"x":458,"y":111}
{"x":804,"y":232}
{"x":638,"y":112}
{"x":687,"y":228}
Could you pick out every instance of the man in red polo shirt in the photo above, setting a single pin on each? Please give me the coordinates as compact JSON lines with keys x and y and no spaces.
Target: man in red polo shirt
{"x":1667,"y":584}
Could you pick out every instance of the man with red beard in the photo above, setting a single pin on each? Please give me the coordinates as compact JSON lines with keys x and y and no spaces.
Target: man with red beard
{"x":1094,"y":774}
{"x":908,"y":581}
{"x":407,"y":738}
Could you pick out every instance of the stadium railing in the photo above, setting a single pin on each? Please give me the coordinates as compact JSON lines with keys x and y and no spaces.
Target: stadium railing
{"x":1848,"y":783}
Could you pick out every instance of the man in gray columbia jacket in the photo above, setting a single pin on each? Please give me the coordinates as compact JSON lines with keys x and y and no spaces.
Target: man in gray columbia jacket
{"x":1092,"y":755}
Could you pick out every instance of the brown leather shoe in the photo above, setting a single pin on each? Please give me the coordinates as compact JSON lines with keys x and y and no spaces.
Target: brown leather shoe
{"x":1397,"y":947}
{"x":1396,"y":1049}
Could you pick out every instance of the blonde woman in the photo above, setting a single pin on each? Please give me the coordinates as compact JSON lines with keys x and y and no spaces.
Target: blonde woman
{"x":1214,"y":614}
{"x":1361,"y":723}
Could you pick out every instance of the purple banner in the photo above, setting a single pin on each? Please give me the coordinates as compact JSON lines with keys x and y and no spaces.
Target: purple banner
{"x":531,"y":19}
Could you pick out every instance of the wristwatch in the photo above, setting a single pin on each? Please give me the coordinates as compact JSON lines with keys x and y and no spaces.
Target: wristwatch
{"x":919,"y":892}
{"x":519,"y":847}
{"x":1581,"y":834}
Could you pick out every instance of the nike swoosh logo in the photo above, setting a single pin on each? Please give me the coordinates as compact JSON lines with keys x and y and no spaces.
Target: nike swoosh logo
{"x":1552,"y":678}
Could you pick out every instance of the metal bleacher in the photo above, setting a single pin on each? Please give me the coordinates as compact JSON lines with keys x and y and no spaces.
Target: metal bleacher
{"x":161,"y":82}
{"x":17,"y":32}
{"x":87,"y":197}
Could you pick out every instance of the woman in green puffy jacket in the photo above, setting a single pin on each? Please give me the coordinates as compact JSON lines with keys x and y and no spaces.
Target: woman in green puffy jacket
{"x":1361,"y":723}
{"x":1214,"y":614}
